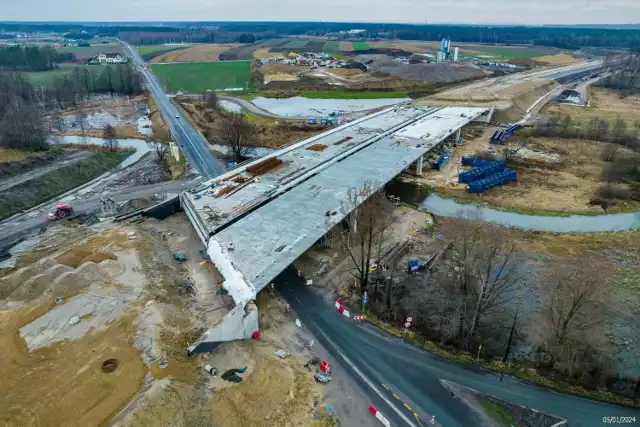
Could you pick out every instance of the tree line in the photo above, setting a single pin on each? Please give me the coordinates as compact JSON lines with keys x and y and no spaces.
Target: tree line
{"x":22,"y":105}
{"x":30,"y":58}
{"x":21,"y":124}
{"x":623,"y":73}
{"x":621,"y":131}
{"x":474,"y":292}
{"x":77,"y":86}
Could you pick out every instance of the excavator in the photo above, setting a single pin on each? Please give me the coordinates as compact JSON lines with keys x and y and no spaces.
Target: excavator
{"x":63,"y":210}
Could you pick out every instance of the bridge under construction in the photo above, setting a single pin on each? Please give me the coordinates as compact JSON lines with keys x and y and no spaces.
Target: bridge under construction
{"x":258,"y":218}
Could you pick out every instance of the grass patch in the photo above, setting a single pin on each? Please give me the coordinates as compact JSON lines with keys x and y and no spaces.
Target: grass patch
{"x":192,"y":77}
{"x":497,"y":413}
{"x":48,"y":78}
{"x":344,"y":94}
{"x":361,"y":46}
{"x":507,"y":52}
{"x":295,"y":44}
{"x":331,"y":47}
{"x":523,"y":372}
{"x":11,"y":155}
{"x":41,"y":189}
{"x":532,"y":211}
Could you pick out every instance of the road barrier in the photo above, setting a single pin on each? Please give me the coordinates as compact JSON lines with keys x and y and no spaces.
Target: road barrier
{"x":385,"y":422}
{"x":359,"y":318}
{"x":341,"y":309}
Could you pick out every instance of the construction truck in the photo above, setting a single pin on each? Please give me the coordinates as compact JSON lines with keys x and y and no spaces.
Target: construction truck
{"x":62,"y":211}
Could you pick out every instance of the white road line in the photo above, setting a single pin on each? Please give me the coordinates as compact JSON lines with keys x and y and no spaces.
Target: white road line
{"x":368,"y":382}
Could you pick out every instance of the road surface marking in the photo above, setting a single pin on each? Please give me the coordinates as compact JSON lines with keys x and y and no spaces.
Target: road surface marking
{"x":396,"y":396}
{"x":371,"y":385}
{"x":408,"y":407}
{"x":417,"y":418}
{"x":385,"y":387}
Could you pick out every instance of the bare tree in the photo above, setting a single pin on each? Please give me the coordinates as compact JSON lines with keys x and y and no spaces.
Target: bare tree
{"x":160,"y":148}
{"x":82,"y":116}
{"x":109,"y":134}
{"x":370,"y":215}
{"x":236,"y":132}
{"x":487,"y":274}
{"x":511,"y":149}
{"x":574,"y":305}
{"x":609,"y":152}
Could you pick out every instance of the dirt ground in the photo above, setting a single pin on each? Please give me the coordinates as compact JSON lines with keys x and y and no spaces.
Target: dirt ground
{"x":269,"y":133}
{"x":274,"y":72}
{"x":602,"y":104}
{"x":264,"y":53}
{"x":553,"y":174}
{"x":559,"y":59}
{"x":70,"y":371}
{"x":129,"y":117}
{"x":199,"y":53}
{"x":11,"y":155}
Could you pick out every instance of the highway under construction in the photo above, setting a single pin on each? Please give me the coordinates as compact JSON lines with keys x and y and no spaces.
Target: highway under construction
{"x":261,"y":216}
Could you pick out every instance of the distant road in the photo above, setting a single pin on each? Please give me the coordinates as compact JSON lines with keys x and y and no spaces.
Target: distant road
{"x":193,"y":144}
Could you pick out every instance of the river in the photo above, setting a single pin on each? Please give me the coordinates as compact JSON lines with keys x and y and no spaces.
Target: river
{"x":298,"y":106}
{"x":440,"y":206}
{"x":139,"y":145}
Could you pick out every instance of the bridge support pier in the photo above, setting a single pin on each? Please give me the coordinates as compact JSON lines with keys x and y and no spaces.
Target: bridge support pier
{"x":419,"y":165}
{"x":458,"y":135}
{"x":353,"y":221}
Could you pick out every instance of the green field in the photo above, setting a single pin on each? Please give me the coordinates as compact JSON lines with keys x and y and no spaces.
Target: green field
{"x":330,"y":47}
{"x":345,"y":94}
{"x":361,"y":46}
{"x":47,"y":78}
{"x":507,"y":52}
{"x":198,"y":77}
{"x":143,"y":50}
{"x":295,"y":44}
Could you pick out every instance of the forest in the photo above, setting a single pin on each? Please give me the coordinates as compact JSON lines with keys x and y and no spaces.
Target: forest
{"x":30,"y":58}
{"x":570,"y":37}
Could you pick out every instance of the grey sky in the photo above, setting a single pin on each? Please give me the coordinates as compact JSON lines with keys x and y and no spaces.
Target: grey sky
{"x":416,"y":11}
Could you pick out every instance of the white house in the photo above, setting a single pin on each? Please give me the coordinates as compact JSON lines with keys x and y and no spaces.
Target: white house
{"x":108,"y":58}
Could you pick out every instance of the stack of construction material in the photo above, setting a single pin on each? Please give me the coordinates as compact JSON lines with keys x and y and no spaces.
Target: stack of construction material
{"x":442,"y":160}
{"x":500,"y":178}
{"x":481,"y":172}
{"x":487,"y":174}
{"x":502,"y":136}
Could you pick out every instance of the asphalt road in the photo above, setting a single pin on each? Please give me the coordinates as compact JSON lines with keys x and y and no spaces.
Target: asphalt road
{"x":193,"y":144}
{"x":375,"y":358}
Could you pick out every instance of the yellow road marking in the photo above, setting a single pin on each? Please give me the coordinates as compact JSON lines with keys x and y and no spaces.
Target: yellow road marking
{"x":385,"y":387}
{"x":408,"y":407}
{"x":396,"y":396}
{"x":417,"y":418}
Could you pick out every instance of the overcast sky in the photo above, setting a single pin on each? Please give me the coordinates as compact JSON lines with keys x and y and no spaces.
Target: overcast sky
{"x":413,"y":11}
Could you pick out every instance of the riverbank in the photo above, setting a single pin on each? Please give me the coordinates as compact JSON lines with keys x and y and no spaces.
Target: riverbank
{"x":442,"y":205}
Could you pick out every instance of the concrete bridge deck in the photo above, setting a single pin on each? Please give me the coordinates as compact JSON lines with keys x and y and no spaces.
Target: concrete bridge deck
{"x":289,"y":211}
